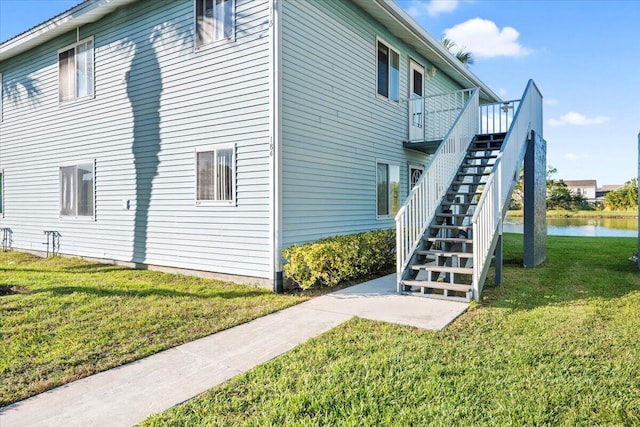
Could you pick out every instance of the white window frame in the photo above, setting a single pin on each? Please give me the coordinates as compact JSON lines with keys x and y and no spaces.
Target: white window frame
{"x":389,"y":164}
{"x":215,"y":148}
{"x":214,"y":42}
{"x":1,"y":96}
{"x":73,"y":46}
{"x":397,"y":52}
{"x":76,"y":216}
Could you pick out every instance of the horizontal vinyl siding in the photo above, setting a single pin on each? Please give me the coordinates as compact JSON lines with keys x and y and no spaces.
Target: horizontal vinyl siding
{"x":176,"y":99}
{"x":335,"y":126}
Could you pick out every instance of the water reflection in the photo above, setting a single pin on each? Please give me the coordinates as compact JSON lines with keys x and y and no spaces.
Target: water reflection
{"x":588,"y":227}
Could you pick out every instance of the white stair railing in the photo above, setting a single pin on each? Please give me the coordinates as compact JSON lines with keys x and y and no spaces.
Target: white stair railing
{"x":416,"y":213}
{"x":487,"y":219}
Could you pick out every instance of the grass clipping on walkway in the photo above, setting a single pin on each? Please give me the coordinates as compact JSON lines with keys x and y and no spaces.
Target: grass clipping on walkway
{"x":555,"y":345}
{"x":62,"y":319}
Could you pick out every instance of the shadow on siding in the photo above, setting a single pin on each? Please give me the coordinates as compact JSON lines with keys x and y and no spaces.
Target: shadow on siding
{"x":144,"y":89}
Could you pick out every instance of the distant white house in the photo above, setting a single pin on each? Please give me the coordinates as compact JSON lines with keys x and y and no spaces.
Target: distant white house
{"x":602,"y":191}
{"x":586,"y":188}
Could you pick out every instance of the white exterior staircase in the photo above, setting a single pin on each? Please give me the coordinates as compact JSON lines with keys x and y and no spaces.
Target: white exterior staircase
{"x":448,"y":228}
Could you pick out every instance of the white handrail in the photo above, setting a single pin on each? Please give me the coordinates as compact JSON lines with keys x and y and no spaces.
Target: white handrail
{"x":416,"y":213}
{"x":487,"y":219}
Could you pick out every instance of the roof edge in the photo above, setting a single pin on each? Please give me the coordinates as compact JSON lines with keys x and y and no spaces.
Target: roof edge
{"x":84,"y":13}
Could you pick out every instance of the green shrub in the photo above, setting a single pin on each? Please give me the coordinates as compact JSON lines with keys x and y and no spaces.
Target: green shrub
{"x":330,"y":261}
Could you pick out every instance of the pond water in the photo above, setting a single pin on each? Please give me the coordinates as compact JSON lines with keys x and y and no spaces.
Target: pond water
{"x":595,"y":227}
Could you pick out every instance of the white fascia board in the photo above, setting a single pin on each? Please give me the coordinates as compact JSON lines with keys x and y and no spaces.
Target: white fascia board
{"x":84,"y":13}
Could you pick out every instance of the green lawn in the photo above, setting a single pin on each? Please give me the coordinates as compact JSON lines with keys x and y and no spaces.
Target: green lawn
{"x":71,"y":318}
{"x":555,"y":345}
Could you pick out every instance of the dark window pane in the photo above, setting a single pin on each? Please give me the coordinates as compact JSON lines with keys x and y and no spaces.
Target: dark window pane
{"x":204,"y":22}
{"x":66,"y":75}
{"x":225,"y":175}
{"x":85,"y":189}
{"x":68,"y":191}
{"x":394,"y":76}
{"x":394,"y":189}
{"x":383,"y":189}
{"x":417,"y":82}
{"x":383,"y":70}
{"x":205,"y":188}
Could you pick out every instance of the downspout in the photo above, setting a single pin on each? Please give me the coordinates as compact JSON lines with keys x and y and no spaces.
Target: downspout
{"x":275,"y":125}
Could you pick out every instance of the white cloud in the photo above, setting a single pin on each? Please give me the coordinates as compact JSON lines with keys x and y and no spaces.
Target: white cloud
{"x":502,"y":92}
{"x":573,"y":118}
{"x":414,"y":11}
{"x":436,"y":7}
{"x":432,"y":8}
{"x":574,"y":156}
{"x":550,"y":101}
{"x":484,"y":39}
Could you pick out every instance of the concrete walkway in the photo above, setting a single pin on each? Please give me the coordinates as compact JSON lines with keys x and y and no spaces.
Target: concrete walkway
{"x":128,"y":394}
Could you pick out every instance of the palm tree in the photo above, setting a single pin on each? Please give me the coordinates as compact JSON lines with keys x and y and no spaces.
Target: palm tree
{"x":463,"y":56}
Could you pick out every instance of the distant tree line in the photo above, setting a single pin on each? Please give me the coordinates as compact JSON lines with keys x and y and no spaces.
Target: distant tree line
{"x":559,"y":196}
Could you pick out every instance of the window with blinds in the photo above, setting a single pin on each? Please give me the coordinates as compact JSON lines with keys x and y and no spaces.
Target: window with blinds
{"x":215,"y":174}
{"x":215,"y":21}
{"x":75,"y":71}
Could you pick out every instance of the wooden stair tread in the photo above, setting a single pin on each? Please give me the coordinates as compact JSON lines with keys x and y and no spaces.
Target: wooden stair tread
{"x":437,"y":285}
{"x":490,"y":156}
{"x":443,"y":269}
{"x":453,"y":202}
{"x":449,"y":240}
{"x":453,"y":227}
{"x":452,"y":215}
{"x":463,"y":193}
{"x":477,"y":149}
{"x":473,"y":173}
{"x":458,"y":183}
{"x":470,"y":166}
{"x":446,"y":254}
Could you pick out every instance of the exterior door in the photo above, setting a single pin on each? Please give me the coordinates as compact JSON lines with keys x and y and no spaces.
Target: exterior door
{"x":415,"y":172}
{"x":416,"y":102}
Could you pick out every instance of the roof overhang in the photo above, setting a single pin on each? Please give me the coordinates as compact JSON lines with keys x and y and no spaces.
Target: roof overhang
{"x":400,"y":24}
{"x":84,"y":13}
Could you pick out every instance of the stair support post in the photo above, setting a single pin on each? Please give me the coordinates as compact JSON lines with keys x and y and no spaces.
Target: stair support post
{"x":498,"y":259}
{"x":535,"y":204}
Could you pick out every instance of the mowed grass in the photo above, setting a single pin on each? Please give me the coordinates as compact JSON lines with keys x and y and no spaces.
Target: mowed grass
{"x":555,"y":345}
{"x":71,"y":318}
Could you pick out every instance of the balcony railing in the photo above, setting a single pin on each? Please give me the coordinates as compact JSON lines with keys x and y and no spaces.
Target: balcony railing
{"x":496,"y":118}
{"x":431,"y":117}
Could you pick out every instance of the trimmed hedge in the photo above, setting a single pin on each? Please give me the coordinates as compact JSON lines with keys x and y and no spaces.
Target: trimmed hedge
{"x":330,"y":261}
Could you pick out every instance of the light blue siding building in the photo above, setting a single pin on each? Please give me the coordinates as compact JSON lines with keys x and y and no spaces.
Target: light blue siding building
{"x":208,"y":135}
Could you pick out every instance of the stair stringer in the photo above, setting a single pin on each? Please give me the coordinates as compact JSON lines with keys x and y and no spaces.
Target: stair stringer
{"x":498,"y":231}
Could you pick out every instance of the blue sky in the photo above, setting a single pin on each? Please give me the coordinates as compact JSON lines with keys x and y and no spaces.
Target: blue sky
{"x":584,"y":56}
